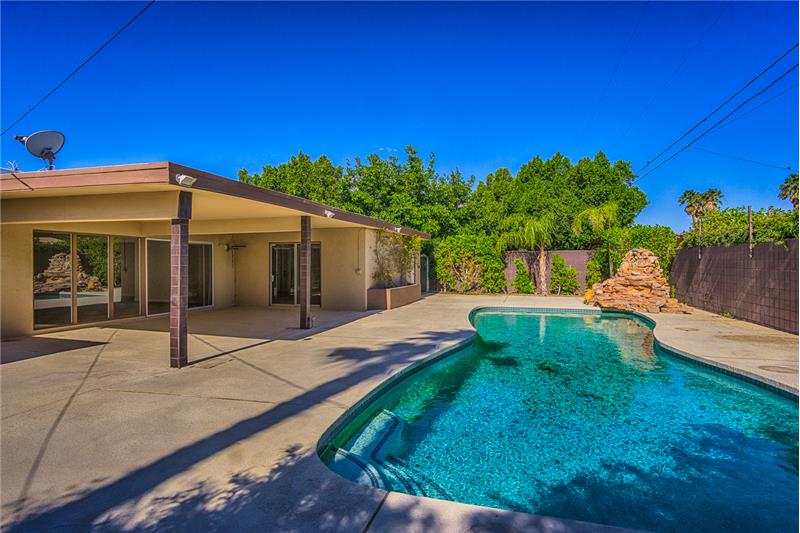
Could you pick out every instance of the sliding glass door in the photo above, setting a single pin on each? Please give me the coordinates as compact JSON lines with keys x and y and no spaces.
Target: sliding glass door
{"x":285,"y":284}
{"x":92,"y":278}
{"x":52,"y":279}
{"x":201,"y":275}
{"x":126,"y":277}
{"x":81,"y":279}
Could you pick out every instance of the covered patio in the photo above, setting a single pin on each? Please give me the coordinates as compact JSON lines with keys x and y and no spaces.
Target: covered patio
{"x":87,"y":246}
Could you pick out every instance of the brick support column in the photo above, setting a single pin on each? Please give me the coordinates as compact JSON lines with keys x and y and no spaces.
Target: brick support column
{"x":179,"y":283}
{"x":305,"y":272}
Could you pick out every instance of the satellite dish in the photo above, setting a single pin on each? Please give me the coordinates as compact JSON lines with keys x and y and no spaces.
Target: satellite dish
{"x":43,"y":144}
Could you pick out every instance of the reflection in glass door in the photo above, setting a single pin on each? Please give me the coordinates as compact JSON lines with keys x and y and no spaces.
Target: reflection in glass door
{"x":126,"y":277}
{"x":52,"y":279}
{"x":92,"y":278}
{"x":285,"y":272}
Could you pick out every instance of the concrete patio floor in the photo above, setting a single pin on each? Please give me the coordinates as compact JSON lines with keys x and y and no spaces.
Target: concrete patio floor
{"x":98,"y":433}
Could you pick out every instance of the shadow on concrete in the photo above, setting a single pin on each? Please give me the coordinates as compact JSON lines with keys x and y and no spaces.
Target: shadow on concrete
{"x":250,"y":322}
{"x":81,"y":508}
{"x":24,"y":348}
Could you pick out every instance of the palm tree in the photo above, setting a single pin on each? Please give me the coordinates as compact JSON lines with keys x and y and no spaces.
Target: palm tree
{"x":536,"y":233}
{"x":712,"y":199}
{"x":699,"y":203}
{"x":691,"y":200}
{"x":789,"y":189}
{"x":599,"y":219}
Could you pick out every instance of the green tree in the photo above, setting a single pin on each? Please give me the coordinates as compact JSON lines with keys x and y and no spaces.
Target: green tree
{"x":563,"y":278}
{"x":470,"y":263}
{"x":698,"y":204}
{"x":789,"y":189}
{"x":522,"y":278}
{"x":728,"y":227}
{"x":535,"y":234}
{"x":598,"y":219}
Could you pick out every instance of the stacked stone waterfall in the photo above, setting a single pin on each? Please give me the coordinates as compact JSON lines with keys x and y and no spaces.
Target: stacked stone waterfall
{"x":639,"y":285}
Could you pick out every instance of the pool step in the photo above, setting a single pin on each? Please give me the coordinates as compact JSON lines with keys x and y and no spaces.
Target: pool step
{"x":368,"y":461}
{"x":381,"y":437}
{"x":373,"y":459}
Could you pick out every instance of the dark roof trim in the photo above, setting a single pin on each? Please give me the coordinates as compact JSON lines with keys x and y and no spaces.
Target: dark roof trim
{"x":165,"y":173}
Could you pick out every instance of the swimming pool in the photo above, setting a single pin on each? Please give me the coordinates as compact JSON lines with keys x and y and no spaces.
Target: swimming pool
{"x":579,"y":416}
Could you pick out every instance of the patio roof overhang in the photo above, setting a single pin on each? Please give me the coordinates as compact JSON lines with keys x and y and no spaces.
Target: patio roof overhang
{"x":157,"y":198}
{"x":219,"y":205}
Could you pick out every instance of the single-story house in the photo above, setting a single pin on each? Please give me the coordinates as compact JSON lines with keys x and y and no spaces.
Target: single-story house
{"x":88,"y":245}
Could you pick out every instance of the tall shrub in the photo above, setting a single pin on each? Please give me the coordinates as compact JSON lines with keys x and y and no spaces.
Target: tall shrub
{"x":522,"y":278}
{"x":728,"y":227}
{"x":470,"y":263}
{"x":563,"y":278}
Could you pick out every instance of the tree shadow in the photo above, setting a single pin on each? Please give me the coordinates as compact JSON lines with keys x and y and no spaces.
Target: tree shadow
{"x":86,"y":507}
{"x":12,"y":351}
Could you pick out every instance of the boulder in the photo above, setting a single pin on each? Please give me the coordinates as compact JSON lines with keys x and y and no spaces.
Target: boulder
{"x":638,"y":285}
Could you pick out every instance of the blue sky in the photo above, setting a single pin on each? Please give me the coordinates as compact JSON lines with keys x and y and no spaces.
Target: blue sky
{"x":221,"y":86}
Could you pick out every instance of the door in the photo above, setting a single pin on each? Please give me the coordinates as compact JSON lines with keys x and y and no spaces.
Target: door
{"x":285,"y":270}
{"x":283,"y":273}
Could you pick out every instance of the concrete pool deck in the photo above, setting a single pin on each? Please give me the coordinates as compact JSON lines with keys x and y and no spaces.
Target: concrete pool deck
{"x":97,"y":432}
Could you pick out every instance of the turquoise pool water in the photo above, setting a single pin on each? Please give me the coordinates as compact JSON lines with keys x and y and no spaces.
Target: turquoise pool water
{"x":578,"y":416}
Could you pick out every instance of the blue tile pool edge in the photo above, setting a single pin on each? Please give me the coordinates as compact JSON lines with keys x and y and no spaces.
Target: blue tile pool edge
{"x":358,"y":408}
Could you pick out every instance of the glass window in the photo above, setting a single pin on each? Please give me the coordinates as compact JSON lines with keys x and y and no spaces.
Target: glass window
{"x":92,"y":278}
{"x":286,"y":271}
{"x":52,"y":279}
{"x":200,"y":275}
{"x":126,"y":277}
{"x":158,"y":276}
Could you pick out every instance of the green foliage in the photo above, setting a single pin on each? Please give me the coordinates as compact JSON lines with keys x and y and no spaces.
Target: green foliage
{"x":660,"y":240}
{"x":410,"y":192}
{"x":789,"y":189}
{"x":395,"y":256}
{"x":594,"y":271}
{"x":522,"y":278}
{"x":93,"y":256}
{"x":470,"y":263}
{"x":534,"y":234}
{"x":728,"y":227}
{"x":598,"y":219}
{"x":563,"y":278}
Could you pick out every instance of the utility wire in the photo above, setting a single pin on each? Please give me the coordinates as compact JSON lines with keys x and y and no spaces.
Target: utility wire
{"x":756,"y":108}
{"x":723,"y":104}
{"x":79,"y":67}
{"x":680,"y":66}
{"x":613,"y":75}
{"x":742,"y":159}
{"x":712,"y":128}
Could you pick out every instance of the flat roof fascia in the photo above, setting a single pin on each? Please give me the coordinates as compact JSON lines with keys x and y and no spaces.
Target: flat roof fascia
{"x":165,"y":173}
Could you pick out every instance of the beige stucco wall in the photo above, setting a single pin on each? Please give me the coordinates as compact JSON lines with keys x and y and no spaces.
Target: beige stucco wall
{"x":16,"y":280}
{"x":342,"y":266}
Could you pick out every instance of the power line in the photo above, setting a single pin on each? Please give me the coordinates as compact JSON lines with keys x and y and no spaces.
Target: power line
{"x":759,"y":106}
{"x":723,"y":104}
{"x":709,"y":130}
{"x":742,"y":158}
{"x":646,"y":108}
{"x":613,"y":75}
{"x":79,"y":67}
